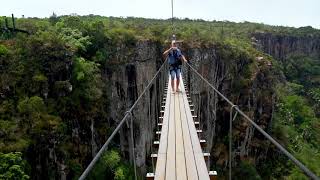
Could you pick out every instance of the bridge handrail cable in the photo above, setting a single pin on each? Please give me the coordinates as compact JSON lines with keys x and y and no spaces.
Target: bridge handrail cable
{"x":281,"y":148}
{"x":125,"y":118}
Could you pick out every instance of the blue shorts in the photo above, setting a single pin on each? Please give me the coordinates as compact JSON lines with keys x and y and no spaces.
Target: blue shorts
{"x":175,"y":72}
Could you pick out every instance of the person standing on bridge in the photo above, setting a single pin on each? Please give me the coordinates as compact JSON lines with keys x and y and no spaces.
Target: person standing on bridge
{"x":175,"y":58}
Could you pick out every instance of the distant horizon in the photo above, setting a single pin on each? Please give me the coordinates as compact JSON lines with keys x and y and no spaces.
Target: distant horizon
{"x":180,"y":18}
{"x":286,"y":13}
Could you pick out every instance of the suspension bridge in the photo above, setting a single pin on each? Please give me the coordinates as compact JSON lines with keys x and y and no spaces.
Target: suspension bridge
{"x":177,"y":150}
{"x":180,"y":155}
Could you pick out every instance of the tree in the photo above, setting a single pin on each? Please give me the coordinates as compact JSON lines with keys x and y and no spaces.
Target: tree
{"x":73,"y":22}
{"x":110,"y":166}
{"x":87,"y":80}
{"x":246,"y":171}
{"x":12,"y":166}
{"x":51,"y":63}
{"x":53,"y":19}
{"x":31,"y":105}
{"x":75,"y":39}
{"x":3,"y":50}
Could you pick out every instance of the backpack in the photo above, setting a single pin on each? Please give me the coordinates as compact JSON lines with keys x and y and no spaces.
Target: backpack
{"x":174,"y":58}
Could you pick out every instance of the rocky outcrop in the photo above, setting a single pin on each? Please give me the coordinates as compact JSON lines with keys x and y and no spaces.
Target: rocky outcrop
{"x":251,"y":91}
{"x":280,"y":46}
{"x":245,"y":81}
{"x":124,"y":77}
{"x":125,"y":83}
{"x":128,"y":74}
{"x":254,"y":95}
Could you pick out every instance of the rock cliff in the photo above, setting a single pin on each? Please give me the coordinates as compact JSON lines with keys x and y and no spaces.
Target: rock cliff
{"x":126,"y":82}
{"x":279,"y":46}
{"x":246,"y":81}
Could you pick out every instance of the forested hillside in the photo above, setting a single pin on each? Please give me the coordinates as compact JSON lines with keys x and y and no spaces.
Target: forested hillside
{"x":60,"y":83}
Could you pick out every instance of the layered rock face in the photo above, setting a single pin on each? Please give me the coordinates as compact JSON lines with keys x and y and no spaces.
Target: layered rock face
{"x":126,"y":83}
{"x":246,"y":83}
{"x":255,"y":97}
{"x":133,"y":67}
{"x":279,"y":46}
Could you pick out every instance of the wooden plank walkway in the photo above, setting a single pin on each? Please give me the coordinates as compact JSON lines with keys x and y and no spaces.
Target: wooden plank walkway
{"x":180,"y":155}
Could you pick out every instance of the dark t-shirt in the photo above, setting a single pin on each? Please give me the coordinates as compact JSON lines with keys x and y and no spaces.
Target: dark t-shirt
{"x":175,"y":57}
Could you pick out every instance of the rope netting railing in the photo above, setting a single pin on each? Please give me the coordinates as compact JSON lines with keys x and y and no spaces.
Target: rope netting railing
{"x":144,"y":112}
{"x":202,"y":92}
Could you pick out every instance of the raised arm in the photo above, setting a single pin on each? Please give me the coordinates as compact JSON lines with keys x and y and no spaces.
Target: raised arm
{"x":167,"y":51}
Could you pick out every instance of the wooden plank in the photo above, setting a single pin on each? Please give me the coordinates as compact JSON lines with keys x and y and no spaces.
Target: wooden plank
{"x":199,"y":159}
{"x":181,"y":166}
{"x":180,"y":157}
{"x":161,"y":167}
{"x":201,"y":166}
{"x":171,"y":150}
{"x":165,"y":125}
{"x":191,"y":168}
{"x":162,"y":151}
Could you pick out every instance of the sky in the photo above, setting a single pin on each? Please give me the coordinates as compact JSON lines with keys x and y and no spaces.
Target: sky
{"x":294,"y":13}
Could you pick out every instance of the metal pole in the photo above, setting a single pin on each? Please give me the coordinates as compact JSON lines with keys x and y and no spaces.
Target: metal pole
{"x":172,"y":16}
{"x":152,"y":161}
{"x":132,"y":145}
{"x":282,"y":149}
{"x":13,"y":23}
{"x":230,"y":139}
{"x":199,"y":112}
{"x":207,"y":120}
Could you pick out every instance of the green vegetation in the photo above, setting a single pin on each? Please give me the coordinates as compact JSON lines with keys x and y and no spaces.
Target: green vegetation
{"x":246,"y":171}
{"x":12,"y":166}
{"x":52,"y":87}
{"x":297,"y":126}
{"x":110,"y":166}
{"x":300,"y":100}
{"x":297,"y":119}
